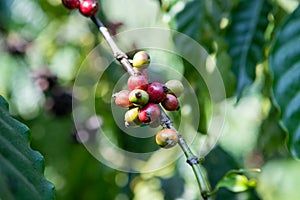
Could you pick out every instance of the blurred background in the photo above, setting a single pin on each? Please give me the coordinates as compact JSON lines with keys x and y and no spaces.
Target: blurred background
{"x":42,"y":46}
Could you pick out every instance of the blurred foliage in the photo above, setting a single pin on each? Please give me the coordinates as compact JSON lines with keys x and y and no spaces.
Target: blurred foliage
{"x":255,"y":45}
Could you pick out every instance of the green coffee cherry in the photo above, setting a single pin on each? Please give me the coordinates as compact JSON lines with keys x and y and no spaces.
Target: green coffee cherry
{"x":141,"y":59}
{"x":138,"y":97}
{"x":175,"y":87}
{"x":166,"y":138}
{"x":132,"y":117}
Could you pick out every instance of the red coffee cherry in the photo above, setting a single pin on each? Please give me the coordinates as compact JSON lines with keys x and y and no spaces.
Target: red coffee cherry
{"x":71,"y":4}
{"x":122,"y":99}
{"x":88,"y":8}
{"x":166,"y":138}
{"x":137,"y":82}
{"x":170,"y":103}
{"x":156,"y":92}
{"x":149,"y":113}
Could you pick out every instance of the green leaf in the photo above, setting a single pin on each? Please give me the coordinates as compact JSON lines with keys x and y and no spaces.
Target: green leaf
{"x":285,"y":65}
{"x":246,"y":40}
{"x":272,"y":137}
{"x":236,"y":181}
{"x":21,"y":168}
{"x":190,"y":19}
{"x":5,"y":13}
{"x":199,"y":19}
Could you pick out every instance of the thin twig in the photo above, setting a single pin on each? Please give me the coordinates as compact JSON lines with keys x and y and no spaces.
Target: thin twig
{"x":192,"y":160}
{"x":118,"y":54}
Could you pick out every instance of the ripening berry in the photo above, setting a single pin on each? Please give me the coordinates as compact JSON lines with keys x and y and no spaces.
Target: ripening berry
{"x":175,"y":87}
{"x":122,"y":99}
{"x":132,"y":117}
{"x":137,"y":82}
{"x":138,"y":97}
{"x":71,"y":4}
{"x":170,"y":103}
{"x":88,"y":8}
{"x":156,"y":92}
{"x":141,"y":59}
{"x":149,"y":113}
{"x":166,"y":138}
{"x":143,"y":72}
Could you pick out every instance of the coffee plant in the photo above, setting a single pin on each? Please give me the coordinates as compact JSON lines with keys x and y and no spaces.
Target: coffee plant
{"x":195,"y":99}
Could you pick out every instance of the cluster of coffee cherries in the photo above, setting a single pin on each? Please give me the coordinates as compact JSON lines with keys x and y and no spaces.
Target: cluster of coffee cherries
{"x":143,"y":100}
{"x":87,"y":8}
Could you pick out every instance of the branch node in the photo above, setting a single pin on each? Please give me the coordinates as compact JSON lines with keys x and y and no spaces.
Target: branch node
{"x":120,"y":55}
{"x":193,"y":161}
{"x":204,"y":194}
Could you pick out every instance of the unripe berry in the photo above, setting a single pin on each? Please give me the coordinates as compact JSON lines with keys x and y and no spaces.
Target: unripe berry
{"x":122,"y":99}
{"x":132,"y":117}
{"x":71,"y":4}
{"x":175,"y":87}
{"x":137,"y":82}
{"x":156,"y":92}
{"x":149,"y":113}
{"x":138,"y":97}
{"x":166,"y":138}
{"x":88,"y":8}
{"x":141,"y":59}
{"x":170,"y":103}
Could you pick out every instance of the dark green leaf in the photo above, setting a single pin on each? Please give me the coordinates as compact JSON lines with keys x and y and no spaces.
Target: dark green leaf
{"x":285,"y":65}
{"x":192,"y":21}
{"x":224,"y":65}
{"x":272,"y":137}
{"x":21,"y":168}
{"x":246,"y":40}
{"x":5,"y":15}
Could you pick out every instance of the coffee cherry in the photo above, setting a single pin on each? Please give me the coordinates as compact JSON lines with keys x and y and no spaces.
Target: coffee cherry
{"x":138,"y":97}
{"x":170,"y":103}
{"x":156,"y":92}
{"x":137,"y":82}
{"x":175,"y":87}
{"x":141,"y":59}
{"x":166,"y":138}
{"x":143,"y":72}
{"x":122,"y":99}
{"x":132,"y":117}
{"x":71,"y":4}
{"x":88,"y":7}
{"x":149,"y":113}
